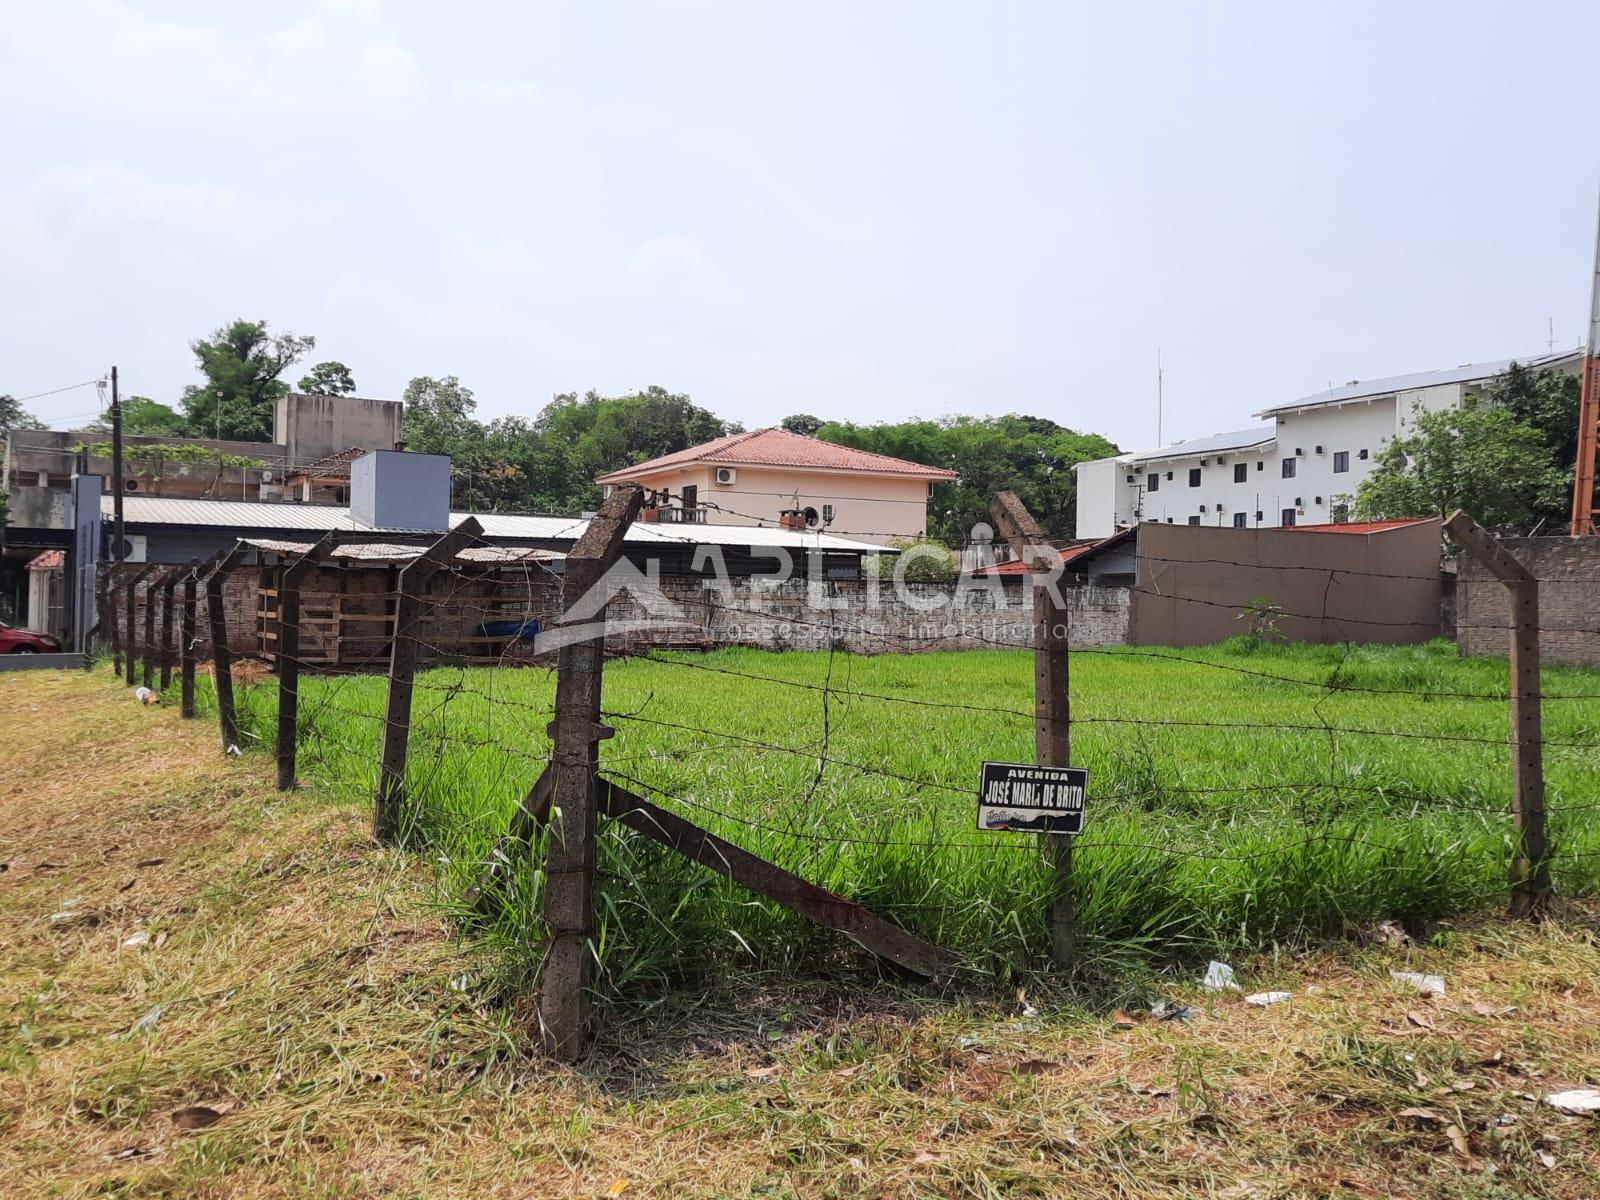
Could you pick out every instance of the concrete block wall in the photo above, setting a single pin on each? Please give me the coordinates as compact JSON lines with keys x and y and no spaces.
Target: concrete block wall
{"x":1568,"y":569}
{"x":239,"y":598}
{"x":863,"y":618}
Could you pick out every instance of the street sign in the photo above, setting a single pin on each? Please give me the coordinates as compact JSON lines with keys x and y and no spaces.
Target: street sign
{"x":1032,"y":798}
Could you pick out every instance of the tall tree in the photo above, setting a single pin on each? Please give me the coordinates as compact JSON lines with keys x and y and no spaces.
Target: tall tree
{"x":606,"y":433}
{"x":1477,"y":458}
{"x":142,"y":415}
{"x":802,"y":423}
{"x":242,"y":364}
{"x":14,"y":416}
{"x":438,"y":414}
{"x":1548,"y":401}
{"x":1032,"y":456}
{"x":328,"y":379}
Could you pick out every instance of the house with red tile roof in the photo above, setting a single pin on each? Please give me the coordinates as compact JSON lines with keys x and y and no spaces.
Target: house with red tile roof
{"x":771,"y":477}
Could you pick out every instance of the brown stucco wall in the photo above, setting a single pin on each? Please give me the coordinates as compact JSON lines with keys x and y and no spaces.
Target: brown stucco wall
{"x":1193,"y":582}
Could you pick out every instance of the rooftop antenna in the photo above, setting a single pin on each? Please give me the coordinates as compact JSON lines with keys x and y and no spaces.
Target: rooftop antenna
{"x":1160,"y":395}
{"x":1550,"y":335}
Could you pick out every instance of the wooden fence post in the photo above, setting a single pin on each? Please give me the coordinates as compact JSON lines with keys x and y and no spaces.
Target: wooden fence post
{"x":389,"y":809}
{"x":130,"y":605}
{"x":290,"y":576}
{"x":1530,"y":862}
{"x":169,"y":585}
{"x":221,"y":656}
{"x":575,"y":735}
{"x":187,"y":635}
{"x":1052,"y":714}
{"x":148,"y":676}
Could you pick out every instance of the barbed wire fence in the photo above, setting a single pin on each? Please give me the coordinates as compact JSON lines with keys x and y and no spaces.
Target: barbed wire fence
{"x":444,"y":620}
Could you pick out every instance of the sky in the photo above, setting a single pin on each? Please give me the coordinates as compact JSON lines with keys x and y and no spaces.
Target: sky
{"x":861,"y":211}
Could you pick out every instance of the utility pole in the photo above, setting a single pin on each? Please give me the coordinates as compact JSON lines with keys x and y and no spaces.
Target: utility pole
{"x":118,"y":542}
{"x":1584,"y":520}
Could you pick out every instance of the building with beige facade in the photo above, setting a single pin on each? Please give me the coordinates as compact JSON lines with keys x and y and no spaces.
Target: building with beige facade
{"x":771,"y":477}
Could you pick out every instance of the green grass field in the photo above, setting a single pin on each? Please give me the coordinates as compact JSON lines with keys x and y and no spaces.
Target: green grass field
{"x":1206,"y":833}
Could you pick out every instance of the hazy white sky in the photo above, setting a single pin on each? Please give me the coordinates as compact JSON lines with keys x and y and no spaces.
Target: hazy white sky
{"x":866,"y":210}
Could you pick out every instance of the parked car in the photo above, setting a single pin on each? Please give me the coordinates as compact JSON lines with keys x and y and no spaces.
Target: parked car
{"x":25,"y":641}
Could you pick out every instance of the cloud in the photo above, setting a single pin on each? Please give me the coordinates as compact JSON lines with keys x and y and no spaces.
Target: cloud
{"x":53,"y":217}
{"x":666,"y":253}
{"x":103,"y":194}
{"x":493,"y":91}
{"x":339,"y":57}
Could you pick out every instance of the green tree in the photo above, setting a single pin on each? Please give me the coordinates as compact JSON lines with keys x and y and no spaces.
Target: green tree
{"x":142,"y":415}
{"x":242,"y":364}
{"x":606,"y":433}
{"x":1032,"y":456}
{"x":1477,"y":458}
{"x":328,"y":379}
{"x":1548,"y":401}
{"x":14,"y":416}
{"x":802,"y":423}
{"x":438,"y":414}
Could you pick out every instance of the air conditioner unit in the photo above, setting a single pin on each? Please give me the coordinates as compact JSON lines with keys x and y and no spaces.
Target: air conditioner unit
{"x":135,"y":548}
{"x":1205,"y":462}
{"x":725,"y":476}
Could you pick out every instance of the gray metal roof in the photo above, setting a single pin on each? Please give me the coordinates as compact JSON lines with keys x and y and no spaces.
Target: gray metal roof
{"x":1217,"y":443}
{"x":395,"y":552}
{"x":320,"y":518}
{"x":1362,"y":389}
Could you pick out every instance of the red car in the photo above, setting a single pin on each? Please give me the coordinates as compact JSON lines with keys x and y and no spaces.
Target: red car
{"x":23,"y":641}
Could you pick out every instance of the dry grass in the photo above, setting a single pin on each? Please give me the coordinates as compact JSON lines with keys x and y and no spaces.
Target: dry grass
{"x":309,"y":993}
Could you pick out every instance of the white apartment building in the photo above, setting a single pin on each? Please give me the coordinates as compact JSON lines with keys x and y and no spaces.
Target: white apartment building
{"x":1302,"y":469}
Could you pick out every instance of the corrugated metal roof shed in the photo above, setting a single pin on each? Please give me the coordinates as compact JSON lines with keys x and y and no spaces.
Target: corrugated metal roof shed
{"x":321,"y":518}
{"x":395,"y":552}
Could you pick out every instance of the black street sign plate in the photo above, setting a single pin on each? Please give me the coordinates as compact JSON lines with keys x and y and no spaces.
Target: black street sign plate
{"x":1031,"y":798}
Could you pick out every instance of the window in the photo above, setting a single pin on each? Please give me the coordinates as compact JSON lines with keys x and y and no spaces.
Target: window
{"x":1288,"y":468}
{"x":1341,"y":461}
{"x":1288,"y":518}
{"x":1169,"y":476}
{"x":1341,"y":514}
{"x":1261,"y":464}
{"x":691,"y":495}
{"x":1194,"y":520}
{"x":1241,"y":472}
{"x":1169,"y":520}
{"x":1194,"y":476}
{"x":1238,"y":520}
{"x":1152,"y":482}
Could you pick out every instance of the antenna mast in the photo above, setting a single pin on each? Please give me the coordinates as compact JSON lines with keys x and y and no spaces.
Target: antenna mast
{"x":1160,"y":395}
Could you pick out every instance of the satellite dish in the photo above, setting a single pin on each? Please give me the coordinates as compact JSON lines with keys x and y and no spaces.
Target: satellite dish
{"x":812,"y":517}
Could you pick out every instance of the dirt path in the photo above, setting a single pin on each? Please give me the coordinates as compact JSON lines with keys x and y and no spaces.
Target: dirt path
{"x":207,"y":989}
